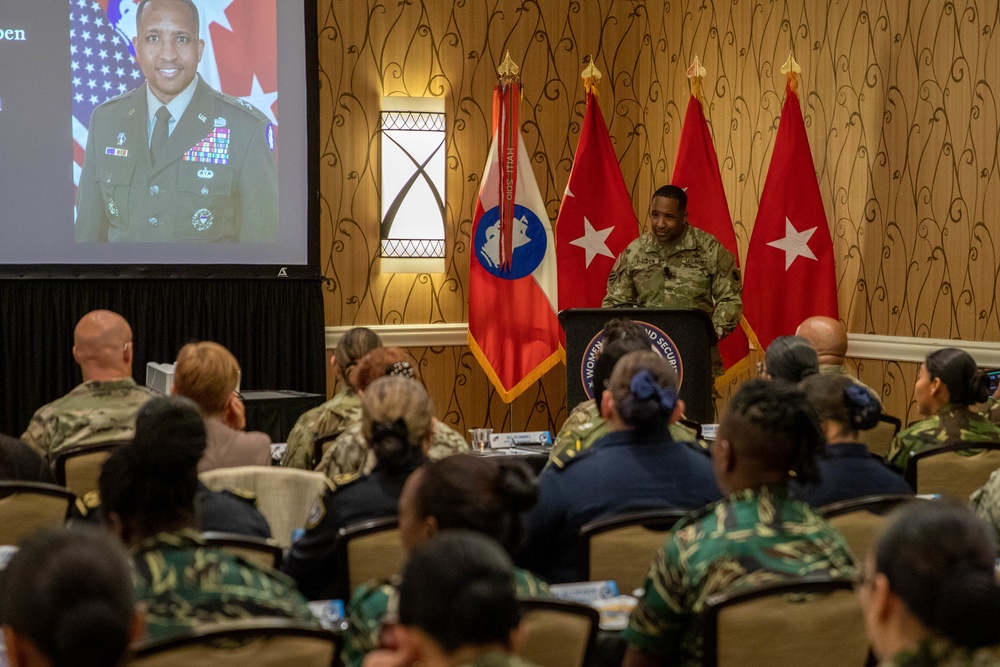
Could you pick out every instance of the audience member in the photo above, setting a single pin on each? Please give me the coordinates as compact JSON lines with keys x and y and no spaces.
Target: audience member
{"x":103,"y":408}
{"x":148,"y":493}
{"x":344,"y":408}
{"x":461,"y":492}
{"x":929,"y":593}
{"x":829,"y":338}
{"x":209,"y":375}
{"x":755,"y":535}
{"x":790,"y":358}
{"x":584,"y":425}
{"x":636,"y":466}
{"x":948,"y":382}
{"x":66,"y":601}
{"x":396,"y":423}
{"x":21,"y":463}
{"x":457,"y":606}
{"x":349,"y":455}
{"x":985,"y":502}
{"x":847,"y":469}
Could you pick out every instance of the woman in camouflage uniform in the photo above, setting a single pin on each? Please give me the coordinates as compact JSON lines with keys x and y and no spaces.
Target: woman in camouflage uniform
{"x":947,"y":384}
{"x":930,"y":594}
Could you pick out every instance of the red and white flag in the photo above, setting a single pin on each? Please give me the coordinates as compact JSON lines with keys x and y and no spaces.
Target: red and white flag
{"x":790,"y":272}
{"x":596,"y":220}
{"x":696,"y":170}
{"x":513,"y":329}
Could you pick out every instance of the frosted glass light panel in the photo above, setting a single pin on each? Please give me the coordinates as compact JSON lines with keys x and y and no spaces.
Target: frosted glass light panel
{"x":413,"y":167}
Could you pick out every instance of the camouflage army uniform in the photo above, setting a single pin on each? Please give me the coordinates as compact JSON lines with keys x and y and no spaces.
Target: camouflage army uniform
{"x":696,"y":271}
{"x":350,"y":454}
{"x":840,"y":369}
{"x":993,"y":410}
{"x":750,"y":538}
{"x":376,"y":602}
{"x":93,"y":413}
{"x":584,"y":427}
{"x":985,"y":502}
{"x":185,"y":584}
{"x":332,"y":417}
{"x":952,"y":423}
{"x":939,"y":652}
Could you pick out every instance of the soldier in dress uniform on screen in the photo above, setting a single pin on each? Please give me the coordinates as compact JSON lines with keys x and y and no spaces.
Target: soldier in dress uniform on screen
{"x":175,"y":160}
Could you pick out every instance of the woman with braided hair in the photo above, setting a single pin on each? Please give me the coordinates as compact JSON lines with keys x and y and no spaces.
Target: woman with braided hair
{"x":396,"y":423}
{"x":847,"y":469}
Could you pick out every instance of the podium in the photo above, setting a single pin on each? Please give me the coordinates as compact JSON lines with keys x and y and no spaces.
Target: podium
{"x":684,"y":336}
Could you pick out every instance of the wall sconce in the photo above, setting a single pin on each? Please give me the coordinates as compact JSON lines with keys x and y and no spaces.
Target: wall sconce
{"x":413,"y":201}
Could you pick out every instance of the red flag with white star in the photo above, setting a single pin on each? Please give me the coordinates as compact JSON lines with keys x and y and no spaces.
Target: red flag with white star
{"x":596,"y":220}
{"x":790,"y":273}
{"x":697,"y":171}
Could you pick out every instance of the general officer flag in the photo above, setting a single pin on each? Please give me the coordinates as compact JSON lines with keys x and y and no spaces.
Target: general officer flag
{"x":513,"y":330}
{"x":790,"y":271}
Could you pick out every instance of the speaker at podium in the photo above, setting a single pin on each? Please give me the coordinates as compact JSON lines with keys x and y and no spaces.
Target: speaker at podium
{"x":684,"y":336}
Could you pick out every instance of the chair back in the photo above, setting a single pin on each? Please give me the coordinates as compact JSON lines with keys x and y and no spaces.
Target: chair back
{"x":368,"y":550}
{"x":879,"y":438}
{"x":26,"y":507}
{"x":859,"y":520}
{"x":556,"y":633}
{"x":284,"y":495}
{"x":814,"y":621}
{"x":264,"y":553}
{"x":621,"y":548}
{"x":259,"y":642}
{"x":943,"y":470}
{"x":322,"y":443}
{"x":78,"y":468}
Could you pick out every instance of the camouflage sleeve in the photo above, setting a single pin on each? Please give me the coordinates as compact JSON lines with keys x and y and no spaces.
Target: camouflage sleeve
{"x":657,"y":623}
{"x":300,"y":446}
{"x":346,"y":455}
{"x":985,"y":502}
{"x":365,"y":614}
{"x":911,"y":440}
{"x":37,"y":436}
{"x":621,"y":289}
{"x":993,"y":409}
{"x":727,"y":293}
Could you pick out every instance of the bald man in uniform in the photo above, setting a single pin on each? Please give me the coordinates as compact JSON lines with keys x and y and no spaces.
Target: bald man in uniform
{"x":829,"y":338}
{"x":174,"y":160}
{"x":103,"y":408}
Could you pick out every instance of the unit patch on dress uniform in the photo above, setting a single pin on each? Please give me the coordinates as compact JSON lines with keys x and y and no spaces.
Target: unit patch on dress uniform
{"x":269,"y":135}
{"x":202,"y":219}
{"x":121,"y":138}
{"x":112,"y":207}
{"x":202,"y":117}
{"x":214,"y":148}
{"x":117,"y":152}
{"x":219,"y":122}
{"x":316,"y":514}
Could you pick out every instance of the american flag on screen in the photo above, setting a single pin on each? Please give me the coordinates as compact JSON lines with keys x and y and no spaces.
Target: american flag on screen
{"x":240,"y":57}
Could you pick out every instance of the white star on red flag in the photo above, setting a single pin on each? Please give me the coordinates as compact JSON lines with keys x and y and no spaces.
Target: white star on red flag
{"x":594,"y":241}
{"x":794,"y":243}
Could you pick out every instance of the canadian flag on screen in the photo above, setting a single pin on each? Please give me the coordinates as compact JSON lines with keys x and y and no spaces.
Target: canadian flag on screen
{"x":697,"y":171}
{"x":596,"y":220}
{"x":790,"y":272}
{"x":240,"y":57}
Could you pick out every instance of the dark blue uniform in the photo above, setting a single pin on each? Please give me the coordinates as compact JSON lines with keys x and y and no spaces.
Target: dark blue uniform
{"x":229,"y":512}
{"x":849,"y":470}
{"x":619,"y":474}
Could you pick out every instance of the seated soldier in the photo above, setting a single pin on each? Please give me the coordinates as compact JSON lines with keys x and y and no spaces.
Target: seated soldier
{"x":757,"y":534}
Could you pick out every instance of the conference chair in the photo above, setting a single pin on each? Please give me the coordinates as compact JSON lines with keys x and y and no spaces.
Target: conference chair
{"x":860,"y":519}
{"x":261,"y":642}
{"x":945,"y":471}
{"x":78,"y":468}
{"x":557,"y":633}
{"x":815,"y":621}
{"x":26,"y":507}
{"x":259,"y":551}
{"x":368,"y":550}
{"x":621,"y":548}
{"x":879,"y":438}
{"x":284,"y":495}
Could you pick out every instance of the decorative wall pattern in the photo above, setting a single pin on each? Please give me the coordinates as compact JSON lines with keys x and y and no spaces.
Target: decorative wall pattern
{"x":900,"y":103}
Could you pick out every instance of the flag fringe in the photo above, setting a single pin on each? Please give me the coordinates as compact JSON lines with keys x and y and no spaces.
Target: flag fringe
{"x":509,"y":395}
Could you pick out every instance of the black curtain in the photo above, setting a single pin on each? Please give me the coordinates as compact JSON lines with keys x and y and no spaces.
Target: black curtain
{"x":274,"y":327}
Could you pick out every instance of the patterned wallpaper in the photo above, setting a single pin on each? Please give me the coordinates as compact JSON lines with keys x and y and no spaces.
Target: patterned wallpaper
{"x":899,"y":102}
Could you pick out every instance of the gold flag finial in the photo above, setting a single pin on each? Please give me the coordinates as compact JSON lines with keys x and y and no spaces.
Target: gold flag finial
{"x":591,"y":76}
{"x":508,"y":71}
{"x":791,"y":71}
{"x":695,"y":73}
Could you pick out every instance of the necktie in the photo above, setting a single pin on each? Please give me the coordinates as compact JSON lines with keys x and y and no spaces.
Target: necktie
{"x":159,"y":138}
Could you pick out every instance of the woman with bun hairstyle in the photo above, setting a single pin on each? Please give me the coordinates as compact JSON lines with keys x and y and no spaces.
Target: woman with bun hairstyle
{"x":846,"y":468}
{"x":350,"y":454}
{"x":462,"y":492}
{"x":790,"y":358}
{"x":929,"y":593}
{"x":948,"y":382}
{"x":396,"y":423}
{"x":343,"y":409}
{"x":148,"y":500}
{"x":636,"y":466}
{"x":66,"y":601}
